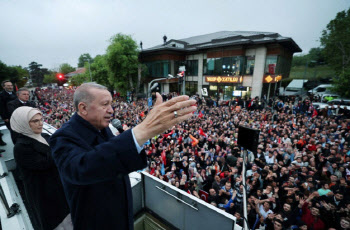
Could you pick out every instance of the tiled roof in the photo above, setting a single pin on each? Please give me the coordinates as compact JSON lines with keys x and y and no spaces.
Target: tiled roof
{"x":224,"y":38}
{"x":78,"y":71}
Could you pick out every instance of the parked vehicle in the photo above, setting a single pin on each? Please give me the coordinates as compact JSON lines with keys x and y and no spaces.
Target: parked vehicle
{"x":295,"y":87}
{"x":320,"y":90}
{"x":328,"y":97}
{"x":339,"y":101}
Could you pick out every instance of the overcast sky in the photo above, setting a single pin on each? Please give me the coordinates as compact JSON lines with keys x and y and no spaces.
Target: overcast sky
{"x":55,"y":32}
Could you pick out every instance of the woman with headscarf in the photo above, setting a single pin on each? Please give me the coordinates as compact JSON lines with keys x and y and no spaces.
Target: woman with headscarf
{"x":42,"y":184}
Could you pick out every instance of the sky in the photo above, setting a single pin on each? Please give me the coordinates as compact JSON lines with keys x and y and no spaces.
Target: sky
{"x":53,"y":32}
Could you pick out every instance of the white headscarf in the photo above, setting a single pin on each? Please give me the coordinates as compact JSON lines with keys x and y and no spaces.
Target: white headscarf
{"x":20,"y":122}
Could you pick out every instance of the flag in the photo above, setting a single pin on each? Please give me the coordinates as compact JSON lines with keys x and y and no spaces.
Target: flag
{"x":166,"y":135}
{"x":194,"y":140}
{"x":200,"y":115}
{"x":179,"y":141}
{"x":163,"y":155}
{"x":16,"y":87}
{"x":201,"y":132}
{"x":203,"y":195}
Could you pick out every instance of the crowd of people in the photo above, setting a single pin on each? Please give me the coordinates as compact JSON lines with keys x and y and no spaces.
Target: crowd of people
{"x":299,"y":177}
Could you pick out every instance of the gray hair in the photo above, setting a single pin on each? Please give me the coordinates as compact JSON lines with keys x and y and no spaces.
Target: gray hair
{"x":22,"y":89}
{"x":82,"y":94}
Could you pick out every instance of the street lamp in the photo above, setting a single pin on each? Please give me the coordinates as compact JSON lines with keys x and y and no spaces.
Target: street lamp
{"x":153,"y":87}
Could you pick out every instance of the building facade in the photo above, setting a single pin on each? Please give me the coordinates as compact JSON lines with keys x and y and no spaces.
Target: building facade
{"x":222,"y":64}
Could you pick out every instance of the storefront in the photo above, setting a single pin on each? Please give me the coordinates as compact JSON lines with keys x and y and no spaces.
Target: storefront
{"x":227,"y":64}
{"x":225,"y":88}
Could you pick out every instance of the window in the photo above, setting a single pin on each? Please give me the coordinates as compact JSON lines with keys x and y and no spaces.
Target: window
{"x":217,"y":66}
{"x":191,"y":87}
{"x":227,"y":66}
{"x":192,"y":68}
{"x":208,"y":66}
{"x":321,"y":89}
{"x":158,"y":68}
{"x":270,"y":66}
{"x":249,"y":70}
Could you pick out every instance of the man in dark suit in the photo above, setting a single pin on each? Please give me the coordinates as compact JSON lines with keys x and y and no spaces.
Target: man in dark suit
{"x":94,"y":165}
{"x":6,"y":96}
{"x":21,"y":100}
{"x":23,"y":95}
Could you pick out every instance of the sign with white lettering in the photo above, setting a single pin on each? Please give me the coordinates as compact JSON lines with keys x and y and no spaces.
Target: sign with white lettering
{"x":219,"y":79}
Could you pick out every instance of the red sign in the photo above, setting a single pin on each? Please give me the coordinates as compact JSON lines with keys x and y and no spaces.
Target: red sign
{"x":272,"y":68}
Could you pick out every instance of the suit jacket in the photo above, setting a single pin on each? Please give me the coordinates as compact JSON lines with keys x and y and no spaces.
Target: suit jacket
{"x":13,"y":105}
{"x":94,"y":167}
{"x":42,"y":184}
{"x":4,"y":99}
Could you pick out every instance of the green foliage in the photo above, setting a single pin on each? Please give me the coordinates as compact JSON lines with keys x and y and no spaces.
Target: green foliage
{"x":66,"y":68}
{"x":336,"y":43}
{"x":313,"y":58}
{"x":15,"y":74}
{"x":335,"y":40}
{"x":342,"y":83}
{"x":83,"y":59}
{"x":99,"y":71}
{"x":316,"y":57}
{"x":79,"y":79}
{"x":50,"y":78}
{"x":312,"y":73}
{"x":122,"y":62}
{"x":36,"y":73}
{"x":299,"y":60}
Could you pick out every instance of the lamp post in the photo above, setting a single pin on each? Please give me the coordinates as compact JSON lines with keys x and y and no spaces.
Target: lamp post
{"x":150,"y":83}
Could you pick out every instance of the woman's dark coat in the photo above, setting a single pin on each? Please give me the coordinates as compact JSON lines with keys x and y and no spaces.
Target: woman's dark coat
{"x":42,"y":184}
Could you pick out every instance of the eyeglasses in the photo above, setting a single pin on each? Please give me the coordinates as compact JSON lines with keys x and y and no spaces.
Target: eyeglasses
{"x":37,"y":121}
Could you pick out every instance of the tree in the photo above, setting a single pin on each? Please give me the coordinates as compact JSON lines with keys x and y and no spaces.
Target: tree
{"x":317,"y":55}
{"x":36,"y":73}
{"x":50,"y":78}
{"x":341,"y":84}
{"x":122,"y":62}
{"x":99,"y":70}
{"x":83,"y":59}
{"x":22,"y":76}
{"x":299,"y":60}
{"x":66,"y":68}
{"x":336,"y":43}
{"x":15,"y":74}
{"x":79,"y":79}
{"x":313,"y":58}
